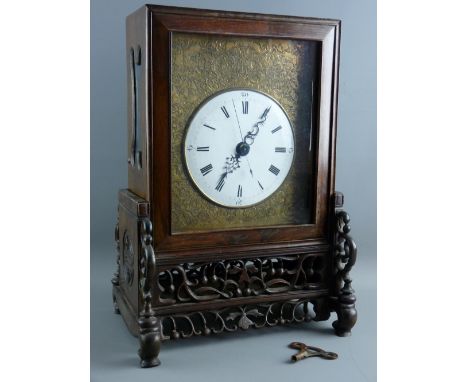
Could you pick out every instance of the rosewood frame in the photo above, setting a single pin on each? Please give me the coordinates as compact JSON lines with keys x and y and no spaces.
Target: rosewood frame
{"x":161,"y":23}
{"x":145,"y":208}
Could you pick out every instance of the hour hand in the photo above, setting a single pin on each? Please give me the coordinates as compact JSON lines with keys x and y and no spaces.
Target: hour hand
{"x":220,"y":184}
{"x":232,"y":163}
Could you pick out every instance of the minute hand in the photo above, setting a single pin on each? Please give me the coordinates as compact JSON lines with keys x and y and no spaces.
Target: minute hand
{"x":250,"y":136}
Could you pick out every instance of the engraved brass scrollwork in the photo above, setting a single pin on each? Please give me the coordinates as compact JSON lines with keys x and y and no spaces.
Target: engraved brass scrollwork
{"x":205,"y":64}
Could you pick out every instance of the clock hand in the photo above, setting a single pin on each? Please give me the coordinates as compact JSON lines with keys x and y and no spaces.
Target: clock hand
{"x":251,"y":172}
{"x":250,"y":136}
{"x":232,"y":164}
{"x":220,"y":184}
{"x":238,"y":124}
{"x":243,"y":147}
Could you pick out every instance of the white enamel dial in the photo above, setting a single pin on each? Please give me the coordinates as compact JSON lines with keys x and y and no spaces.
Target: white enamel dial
{"x":239,"y":147}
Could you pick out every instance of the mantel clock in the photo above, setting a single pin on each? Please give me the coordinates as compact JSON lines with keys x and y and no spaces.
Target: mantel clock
{"x":230,"y":219}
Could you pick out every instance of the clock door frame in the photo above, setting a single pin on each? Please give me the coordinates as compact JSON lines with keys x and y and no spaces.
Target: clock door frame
{"x":163,"y":21}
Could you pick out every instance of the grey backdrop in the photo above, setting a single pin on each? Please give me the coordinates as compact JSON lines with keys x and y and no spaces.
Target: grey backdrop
{"x":113,"y":350}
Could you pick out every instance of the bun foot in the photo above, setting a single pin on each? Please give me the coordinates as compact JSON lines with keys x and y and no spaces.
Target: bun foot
{"x":150,"y":341}
{"x":347,"y":316}
{"x":150,"y":363}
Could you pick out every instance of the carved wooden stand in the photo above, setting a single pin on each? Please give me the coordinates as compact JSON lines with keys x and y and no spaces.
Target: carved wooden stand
{"x":164,"y":300}
{"x":174,"y":283}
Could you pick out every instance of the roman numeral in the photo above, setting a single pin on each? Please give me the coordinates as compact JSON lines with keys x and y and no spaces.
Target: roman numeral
{"x":225,"y":111}
{"x":276,"y":129}
{"x":239,"y":191}
{"x":207,"y":169}
{"x":260,"y":184}
{"x":220,"y":184}
{"x":203,"y":148}
{"x":245,"y":107}
{"x":280,"y":149}
{"x":274,"y":170}
{"x":209,"y":127}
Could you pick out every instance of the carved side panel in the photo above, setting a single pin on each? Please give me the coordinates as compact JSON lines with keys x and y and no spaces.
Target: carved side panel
{"x":128,"y":243}
{"x":195,"y":282}
{"x":128,"y":259}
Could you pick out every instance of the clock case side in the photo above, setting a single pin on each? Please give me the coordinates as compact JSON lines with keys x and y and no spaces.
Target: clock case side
{"x":167,"y":20}
{"x":139,"y":106}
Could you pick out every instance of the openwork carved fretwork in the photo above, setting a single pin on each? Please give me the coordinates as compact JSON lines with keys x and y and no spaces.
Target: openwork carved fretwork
{"x":345,"y":257}
{"x":192,"y":282}
{"x":232,"y":318}
{"x":128,"y":257}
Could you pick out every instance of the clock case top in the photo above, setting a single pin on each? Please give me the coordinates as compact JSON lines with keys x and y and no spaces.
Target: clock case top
{"x":149,"y":32}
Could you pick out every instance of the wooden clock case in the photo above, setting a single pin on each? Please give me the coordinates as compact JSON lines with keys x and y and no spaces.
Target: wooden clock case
{"x":171,"y":285}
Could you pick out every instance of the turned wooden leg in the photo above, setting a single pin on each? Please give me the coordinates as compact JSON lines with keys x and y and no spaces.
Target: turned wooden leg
{"x":346,"y":314}
{"x":321,"y":309}
{"x":150,"y":341}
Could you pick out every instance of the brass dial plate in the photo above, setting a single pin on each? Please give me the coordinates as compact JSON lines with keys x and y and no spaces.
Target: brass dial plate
{"x":285,"y":69}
